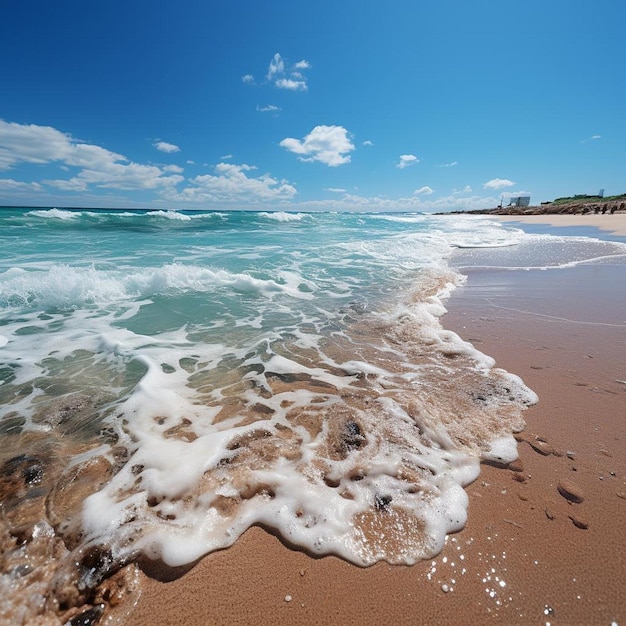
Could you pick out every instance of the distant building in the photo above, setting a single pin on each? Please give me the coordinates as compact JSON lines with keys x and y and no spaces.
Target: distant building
{"x":520,"y":201}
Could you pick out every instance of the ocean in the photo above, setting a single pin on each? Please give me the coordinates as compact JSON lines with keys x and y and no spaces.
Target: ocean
{"x":169,"y":379}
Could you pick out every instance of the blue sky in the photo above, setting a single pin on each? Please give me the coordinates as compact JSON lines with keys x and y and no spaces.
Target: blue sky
{"x":401,"y":105}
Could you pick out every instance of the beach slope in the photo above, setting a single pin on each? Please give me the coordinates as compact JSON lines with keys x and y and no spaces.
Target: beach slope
{"x":544,"y":540}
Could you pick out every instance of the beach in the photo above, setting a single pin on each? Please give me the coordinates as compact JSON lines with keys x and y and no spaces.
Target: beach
{"x":299,"y":329}
{"x":615,"y":224}
{"x":203,"y":437}
{"x":544,"y":540}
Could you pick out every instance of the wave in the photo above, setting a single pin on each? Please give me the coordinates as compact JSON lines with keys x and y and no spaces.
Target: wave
{"x":59,"y":214}
{"x":347,"y":423}
{"x":66,"y":286}
{"x":295,"y":456}
{"x":170,"y":215}
{"x":407,"y":219}
{"x":469,"y":246}
{"x":283,"y":216}
{"x":539,"y":252}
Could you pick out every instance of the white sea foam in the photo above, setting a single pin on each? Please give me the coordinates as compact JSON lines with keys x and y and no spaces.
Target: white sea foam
{"x":542,"y":252}
{"x":282,"y":216}
{"x":502,"y":450}
{"x":325,"y":488}
{"x":416,"y":218}
{"x":170,"y":215}
{"x":58,"y":214}
{"x":67,"y":286}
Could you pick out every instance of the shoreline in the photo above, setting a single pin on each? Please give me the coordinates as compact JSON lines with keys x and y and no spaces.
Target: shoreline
{"x":529,"y":553}
{"x":614,"y":224}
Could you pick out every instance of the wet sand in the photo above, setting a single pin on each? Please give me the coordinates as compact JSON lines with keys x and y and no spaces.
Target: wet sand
{"x":544,"y":543}
{"x":615,"y":223}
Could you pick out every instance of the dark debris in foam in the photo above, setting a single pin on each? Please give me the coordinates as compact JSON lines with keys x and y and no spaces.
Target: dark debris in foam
{"x":381,"y":503}
{"x":352,"y":438}
{"x":88,"y":617}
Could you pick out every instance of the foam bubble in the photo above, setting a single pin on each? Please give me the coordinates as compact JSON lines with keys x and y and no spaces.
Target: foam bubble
{"x":501,"y":450}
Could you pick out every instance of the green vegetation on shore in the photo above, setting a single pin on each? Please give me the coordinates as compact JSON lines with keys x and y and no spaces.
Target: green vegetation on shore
{"x":571,"y":205}
{"x":583,"y":198}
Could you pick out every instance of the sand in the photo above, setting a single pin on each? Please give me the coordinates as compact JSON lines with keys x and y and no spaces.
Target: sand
{"x":545,"y":539}
{"x":615,"y":223}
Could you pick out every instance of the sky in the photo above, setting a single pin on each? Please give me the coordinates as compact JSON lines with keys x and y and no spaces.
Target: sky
{"x":406,"y":105}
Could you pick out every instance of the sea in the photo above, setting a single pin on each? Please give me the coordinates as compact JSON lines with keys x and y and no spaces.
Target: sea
{"x":169,"y":379}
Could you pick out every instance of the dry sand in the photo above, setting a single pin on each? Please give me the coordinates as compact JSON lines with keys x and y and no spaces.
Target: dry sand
{"x":615,"y":223}
{"x":530,"y":553}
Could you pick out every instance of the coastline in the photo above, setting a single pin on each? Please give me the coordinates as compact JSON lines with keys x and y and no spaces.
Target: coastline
{"x":529,"y":554}
{"x":615,"y":224}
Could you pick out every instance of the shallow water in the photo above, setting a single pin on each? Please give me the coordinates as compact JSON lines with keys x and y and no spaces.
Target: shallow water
{"x":169,"y":379}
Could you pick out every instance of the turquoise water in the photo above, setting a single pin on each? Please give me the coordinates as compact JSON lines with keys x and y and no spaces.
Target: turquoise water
{"x":168,"y":379}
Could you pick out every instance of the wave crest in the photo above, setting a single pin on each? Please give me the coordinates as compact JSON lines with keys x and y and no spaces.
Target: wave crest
{"x":283,"y":216}
{"x":66,"y":286}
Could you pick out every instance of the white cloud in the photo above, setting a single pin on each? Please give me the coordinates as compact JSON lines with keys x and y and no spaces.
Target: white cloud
{"x":423,"y":191}
{"x":406,"y":160}
{"x":225,"y":157}
{"x":355,"y":202}
{"x":367,"y":142}
{"x":119,"y":176}
{"x":327,"y":144}
{"x":516,"y":194}
{"x":592,"y":138}
{"x":8,"y":184}
{"x":335,"y":190}
{"x":163,"y":146}
{"x":292,"y":85}
{"x":73,"y":184}
{"x":175,"y":169}
{"x":232,"y":183}
{"x":459,"y":192}
{"x":268,"y":108}
{"x":498,"y":183}
{"x":29,"y":143}
{"x":452,"y":164}
{"x":277,"y":66}
{"x":283,"y":75}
